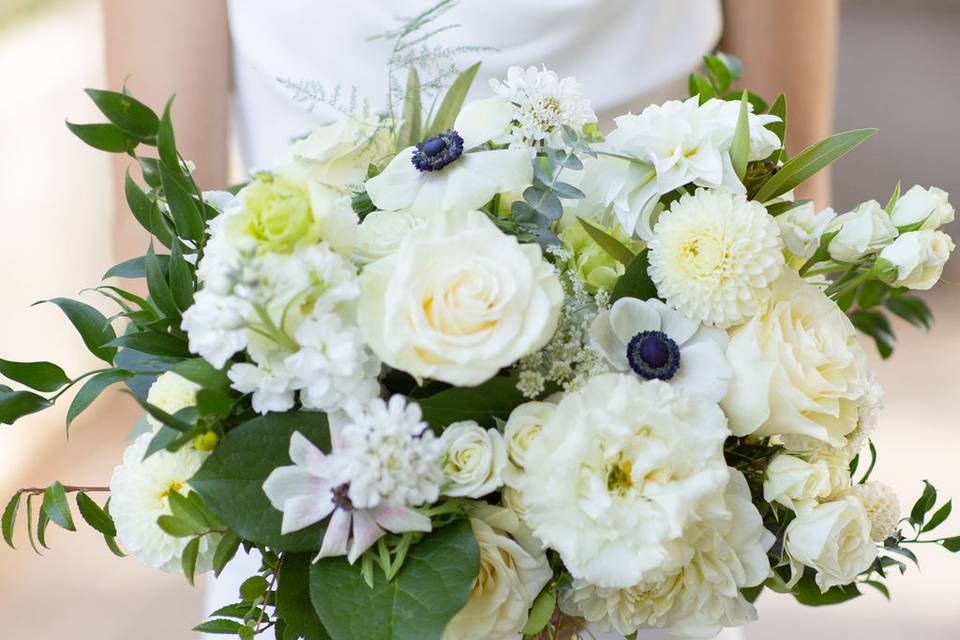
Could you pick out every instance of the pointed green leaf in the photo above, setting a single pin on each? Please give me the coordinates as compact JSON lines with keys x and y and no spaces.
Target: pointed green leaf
{"x":92,"y":389}
{"x":166,"y":143}
{"x":939,"y":517}
{"x":183,"y":207}
{"x":157,"y":343}
{"x":453,"y":101}
{"x":160,"y":293}
{"x":103,"y":137}
{"x":136,"y":267}
{"x":10,"y":518}
{"x":225,"y":551}
{"x":189,"y":559}
{"x":493,"y":399}
{"x":16,"y":404}
{"x":779,"y":208}
{"x":951,"y":544}
{"x":740,"y":147}
{"x":56,"y":507}
{"x":42,"y":376}
{"x":698,"y":85}
{"x":719,"y":73}
{"x":181,"y":279}
{"x":203,"y":373}
{"x":162,"y":440}
{"x":178,"y":527}
{"x":614,"y":248}
{"x":923,"y":504}
{"x":892,"y":202}
{"x":779,"y":109}
{"x":30,"y":537}
{"x":541,"y":612}
{"x":912,"y":309}
{"x":219,"y":626}
{"x":95,"y":516}
{"x":92,"y":326}
{"x":127,"y":113}
{"x":635,"y":282}
{"x":412,"y":111}
{"x":293,"y":597}
{"x":43,"y":520}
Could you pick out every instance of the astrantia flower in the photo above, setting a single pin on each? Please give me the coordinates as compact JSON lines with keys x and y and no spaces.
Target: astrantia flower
{"x":656,"y":342}
{"x":714,"y":255}
{"x":139,"y":490}
{"x":448,"y":173}
{"x":618,"y":472}
{"x":544,"y":104}
{"x":171,"y":392}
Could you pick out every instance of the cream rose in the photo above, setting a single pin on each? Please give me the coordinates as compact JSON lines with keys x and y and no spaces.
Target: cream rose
{"x":929,"y":206}
{"x":916,"y":259}
{"x":458,"y":301}
{"x":523,"y":425}
{"x":862,"y":231}
{"x":513,"y":570}
{"x":834,"y":539}
{"x":797,"y":367}
{"x":380,"y":234}
{"x":796,"y":483}
{"x":338,"y":154}
{"x":474,"y":459}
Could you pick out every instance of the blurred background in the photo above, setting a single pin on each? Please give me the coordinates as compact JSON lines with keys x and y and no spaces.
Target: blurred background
{"x":898,"y":71}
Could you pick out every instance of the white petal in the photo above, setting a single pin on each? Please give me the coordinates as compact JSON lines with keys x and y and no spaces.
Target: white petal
{"x":630,"y":316}
{"x":397,"y":186}
{"x":306,"y":454}
{"x":365,"y":533}
{"x":455,"y":189}
{"x":397,"y":519}
{"x":679,"y":327}
{"x":509,"y":169}
{"x":483,"y":120}
{"x":303,"y":511}
{"x":607,"y":342}
{"x":337,"y":536}
{"x":703,"y":372}
{"x":289,"y":482}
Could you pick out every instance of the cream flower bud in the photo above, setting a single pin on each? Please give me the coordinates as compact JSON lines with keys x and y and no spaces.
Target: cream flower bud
{"x":171,"y":392}
{"x":801,"y":228}
{"x":882,"y":506}
{"x":929,"y":206}
{"x":474,"y":460}
{"x":916,"y":259}
{"x":862,"y":231}
{"x":380,"y":234}
{"x":795,"y":483}
{"x":523,"y":425}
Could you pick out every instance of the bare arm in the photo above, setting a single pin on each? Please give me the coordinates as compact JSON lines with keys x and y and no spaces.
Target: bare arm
{"x":161,"y":48}
{"x":790,"y":47}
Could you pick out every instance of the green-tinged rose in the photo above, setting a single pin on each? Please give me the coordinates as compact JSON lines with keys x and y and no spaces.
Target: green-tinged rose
{"x":276,"y":212}
{"x":596,"y":268}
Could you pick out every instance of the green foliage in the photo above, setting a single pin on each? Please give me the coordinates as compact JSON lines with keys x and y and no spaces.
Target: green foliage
{"x":807,"y":592}
{"x":126,"y":113}
{"x":452,"y":102}
{"x":541,"y":612}
{"x":57,"y":508}
{"x":188,"y":560}
{"x":16,"y":404}
{"x":779,"y":208}
{"x":92,"y":389}
{"x":876,"y":325}
{"x":493,"y":399}
{"x":614,"y":248}
{"x":293,"y":598}
{"x":103,"y":137}
{"x":636,"y":281}
{"x":225,"y":551}
{"x":93,"y":327}
{"x":9,"y":518}
{"x":95,"y":516}
{"x":740,"y":147}
{"x":412,"y":127}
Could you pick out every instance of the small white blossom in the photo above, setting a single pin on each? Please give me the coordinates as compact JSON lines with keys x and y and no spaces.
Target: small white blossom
{"x":474,"y":459}
{"x":270,"y":382}
{"x":215,"y":326}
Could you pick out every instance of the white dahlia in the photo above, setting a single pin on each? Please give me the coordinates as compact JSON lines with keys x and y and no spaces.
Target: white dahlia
{"x":618,"y":472}
{"x":171,"y":392}
{"x":714,"y":256}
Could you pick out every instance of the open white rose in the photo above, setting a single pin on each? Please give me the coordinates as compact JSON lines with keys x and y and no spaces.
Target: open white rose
{"x":834,"y":539}
{"x":797,"y":367}
{"x":796,"y":483}
{"x":929,"y":206}
{"x":916,"y":259}
{"x":338,"y":154}
{"x":381,"y":233}
{"x":458,"y":301}
{"x":513,"y":570}
{"x":862,"y":231}
{"x":474,"y":459}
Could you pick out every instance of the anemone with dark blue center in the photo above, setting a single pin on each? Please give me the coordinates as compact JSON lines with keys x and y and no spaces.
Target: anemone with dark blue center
{"x":436,"y":152}
{"x":653,"y":355}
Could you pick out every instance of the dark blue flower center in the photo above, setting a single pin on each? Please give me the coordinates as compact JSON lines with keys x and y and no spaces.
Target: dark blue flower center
{"x":653,"y":355}
{"x":436,"y":152}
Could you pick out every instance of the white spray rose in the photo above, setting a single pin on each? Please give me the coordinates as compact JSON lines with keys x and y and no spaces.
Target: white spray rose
{"x":862,"y":231}
{"x":916,"y":259}
{"x":834,"y":539}
{"x":338,"y":154}
{"x":523,"y":425}
{"x":458,"y":301}
{"x":796,"y":483}
{"x":929,"y":206}
{"x":380,"y":234}
{"x":474,"y":459}
{"x":801,"y":228}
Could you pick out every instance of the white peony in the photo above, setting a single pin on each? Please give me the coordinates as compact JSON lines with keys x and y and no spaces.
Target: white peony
{"x":381,"y":233}
{"x":513,"y":570}
{"x":139,"y":490}
{"x":523,"y":425}
{"x":171,"y":392}
{"x":801,"y":229}
{"x":832,"y":538}
{"x":797,"y":367}
{"x":918,"y":205}
{"x":916,"y":259}
{"x":458,"y":301}
{"x":861,"y":232}
{"x":796,"y":483}
{"x":655,"y":341}
{"x":714,"y":255}
{"x":474,"y":459}
{"x":338,"y":154}
{"x":618,"y":472}
{"x":882,"y":506}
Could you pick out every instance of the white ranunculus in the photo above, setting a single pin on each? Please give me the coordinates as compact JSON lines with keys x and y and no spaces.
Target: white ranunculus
{"x":916,"y":259}
{"x":801,"y":228}
{"x":796,"y":483}
{"x":523,"y":425}
{"x":474,"y":459}
{"x":513,"y":570}
{"x":862,"y":231}
{"x":458,"y":301}
{"x":338,"y":154}
{"x":929,"y":206}
{"x":171,"y":392}
{"x":380,"y":234}
{"x":834,"y":539}
{"x":797,"y":367}
{"x":616,"y":475}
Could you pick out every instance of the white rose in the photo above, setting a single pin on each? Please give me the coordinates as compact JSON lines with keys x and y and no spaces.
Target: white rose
{"x":338,"y":154}
{"x":523,"y":425}
{"x":795,"y":483}
{"x":882,"y":505}
{"x":916,"y":259}
{"x":170,"y":393}
{"x":474,"y":459}
{"x":513,"y":570}
{"x":801,"y":228}
{"x":834,"y":539}
{"x":929,"y":206}
{"x":798,"y":368}
{"x":862,"y":231}
{"x":380,"y":234}
{"x":459,"y":301}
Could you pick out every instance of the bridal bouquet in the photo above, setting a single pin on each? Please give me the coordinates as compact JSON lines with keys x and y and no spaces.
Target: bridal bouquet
{"x":480,"y":371}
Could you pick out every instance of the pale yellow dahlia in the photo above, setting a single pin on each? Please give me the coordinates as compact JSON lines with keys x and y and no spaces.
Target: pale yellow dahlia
{"x":714,"y":256}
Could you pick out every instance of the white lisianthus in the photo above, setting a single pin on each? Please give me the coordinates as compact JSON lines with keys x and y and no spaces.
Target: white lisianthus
{"x":796,"y":483}
{"x":139,"y":492}
{"x":616,"y":475}
{"x":656,"y":342}
{"x":916,"y":259}
{"x":832,"y":538}
{"x":801,"y":229}
{"x":513,"y":570}
{"x":714,"y":255}
{"x":338,"y":154}
{"x":861,"y":232}
{"x":458,"y":301}
{"x":523,"y":425}
{"x":381,"y":233}
{"x":474,"y":459}
{"x":797,"y":367}
{"x":447,"y":174}
{"x":170,"y":393}
{"x":918,"y":205}
{"x":882,"y":505}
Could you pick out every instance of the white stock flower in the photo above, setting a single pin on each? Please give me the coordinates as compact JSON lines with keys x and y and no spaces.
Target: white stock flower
{"x":618,"y":472}
{"x":458,"y":301}
{"x":861,"y":232}
{"x":338,"y":154}
{"x":474,"y":459}
{"x":796,"y":483}
{"x":443,"y":174}
{"x":832,"y":538}
{"x":171,"y":392}
{"x":655,"y":341}
{"x":916,"y":259}
{"x":544,"y":103}
{"x":139,"y":492}
{"x":523,"y":425}
{"x":714,"y":255}
{"x":269,"y":380}
{"x":381,"y":233}
{"x":929,"y":206}
{"x":215,"y":326}
{"x":512,"y":573}
{"x":801,"y":229}
{"x":797,"y":367}
{"x":882,"y":506}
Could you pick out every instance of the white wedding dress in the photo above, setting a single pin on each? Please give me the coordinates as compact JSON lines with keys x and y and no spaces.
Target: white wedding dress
{"x":626,"y":53}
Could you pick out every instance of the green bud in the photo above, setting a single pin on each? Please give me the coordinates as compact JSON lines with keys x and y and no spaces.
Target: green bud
{"x":206,"y":441}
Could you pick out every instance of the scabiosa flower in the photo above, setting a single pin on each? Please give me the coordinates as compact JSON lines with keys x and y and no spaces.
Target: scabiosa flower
{"x":714,"y":256}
